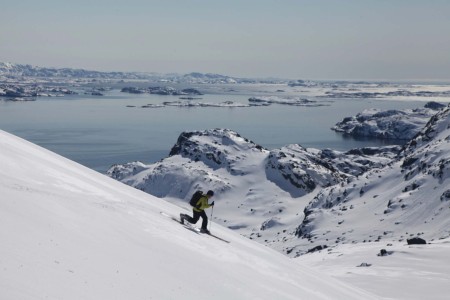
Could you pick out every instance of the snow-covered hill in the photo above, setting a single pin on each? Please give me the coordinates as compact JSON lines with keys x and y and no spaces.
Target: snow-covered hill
{"x":68,"y":232}
{"x":260,"y":193}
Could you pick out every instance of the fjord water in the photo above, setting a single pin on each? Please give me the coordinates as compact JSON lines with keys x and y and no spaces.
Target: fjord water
{"x":101,"y":131}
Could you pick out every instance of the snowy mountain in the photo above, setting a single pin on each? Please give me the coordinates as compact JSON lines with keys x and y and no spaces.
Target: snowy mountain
{"x":71,"y":233}
{"x":259,"y":193}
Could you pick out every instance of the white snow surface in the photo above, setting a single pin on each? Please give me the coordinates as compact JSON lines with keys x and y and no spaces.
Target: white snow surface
{"x":406,"y":272}
{"x":68,"y":232}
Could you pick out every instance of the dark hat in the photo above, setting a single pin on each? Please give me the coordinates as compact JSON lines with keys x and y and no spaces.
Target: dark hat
{"x":210,"y":193}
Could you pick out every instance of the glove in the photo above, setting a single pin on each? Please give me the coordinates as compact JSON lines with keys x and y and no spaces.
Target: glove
{"x":212,"y":203}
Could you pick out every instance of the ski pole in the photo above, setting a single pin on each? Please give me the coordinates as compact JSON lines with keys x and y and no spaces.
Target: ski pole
{"x":210,"y":218}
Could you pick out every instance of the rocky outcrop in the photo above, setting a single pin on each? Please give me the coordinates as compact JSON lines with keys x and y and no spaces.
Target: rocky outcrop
{"x":298,"y":171}
{"x":390,"y":124}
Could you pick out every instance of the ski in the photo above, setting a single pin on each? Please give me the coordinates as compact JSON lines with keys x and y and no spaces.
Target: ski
{"x":217,"y":237}
{"x":187,"y":226}
{"x":192,"y":228}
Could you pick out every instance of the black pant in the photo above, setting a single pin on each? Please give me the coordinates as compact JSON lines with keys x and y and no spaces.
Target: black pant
{"x":197,"y":216}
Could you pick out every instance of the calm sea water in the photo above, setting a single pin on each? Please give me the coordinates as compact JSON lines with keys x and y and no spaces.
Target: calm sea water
{"x":101,"y":131}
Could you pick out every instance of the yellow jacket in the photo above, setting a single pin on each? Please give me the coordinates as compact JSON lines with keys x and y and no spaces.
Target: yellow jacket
{"x":202,"y":204}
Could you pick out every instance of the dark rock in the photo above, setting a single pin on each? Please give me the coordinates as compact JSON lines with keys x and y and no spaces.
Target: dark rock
{"x":132,"y":90}
{"x":445,"y":196}
{"x":416,"y":241}
{"x":364,"y":265}
{"x":191,"y":91}
{"x":317,"y":248}
{"x":434,"y":105}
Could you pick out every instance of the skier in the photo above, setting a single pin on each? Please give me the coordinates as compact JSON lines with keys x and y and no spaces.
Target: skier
{"x":199,"y":211}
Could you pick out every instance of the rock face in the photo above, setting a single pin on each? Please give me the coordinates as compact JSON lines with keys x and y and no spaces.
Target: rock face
{"x":294,"y":166}
{"x":308,"y":169}
{"x":217,"y":148}
{"x":391,"y":124}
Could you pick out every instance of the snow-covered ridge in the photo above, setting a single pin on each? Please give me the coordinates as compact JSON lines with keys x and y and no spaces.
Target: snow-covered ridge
{"x":199,"y":160}
{"x":223,"y":153}
{"x":392,"y":124}
{"x":71,"y":233}
{"x":216,"y":148}
{"x":260,"y":193}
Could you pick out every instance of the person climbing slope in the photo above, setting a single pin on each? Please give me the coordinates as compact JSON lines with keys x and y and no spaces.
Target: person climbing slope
{"x":199,"y":203}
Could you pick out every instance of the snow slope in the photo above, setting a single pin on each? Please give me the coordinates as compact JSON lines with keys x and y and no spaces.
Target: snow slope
{"x":71,"y":233}
{"x":406,"y":272}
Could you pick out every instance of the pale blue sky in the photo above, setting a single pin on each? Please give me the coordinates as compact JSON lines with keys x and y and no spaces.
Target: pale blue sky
{"x":309,"y":39}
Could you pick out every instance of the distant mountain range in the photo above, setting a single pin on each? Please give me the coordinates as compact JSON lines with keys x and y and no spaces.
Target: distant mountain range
{"x":19,"y":70}
{"x":9,"y":69}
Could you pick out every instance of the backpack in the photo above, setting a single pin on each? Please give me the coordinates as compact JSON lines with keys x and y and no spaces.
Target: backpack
{"x":197,"y":195}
